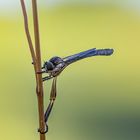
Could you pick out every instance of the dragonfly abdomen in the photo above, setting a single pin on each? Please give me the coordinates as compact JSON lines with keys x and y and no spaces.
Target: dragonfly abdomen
{"x":88,"y":53}
{"x":105,"y":52}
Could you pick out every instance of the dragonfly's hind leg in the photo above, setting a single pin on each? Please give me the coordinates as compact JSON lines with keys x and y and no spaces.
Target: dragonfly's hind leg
{"x":43,"y":132}
{"x":52,"y":99}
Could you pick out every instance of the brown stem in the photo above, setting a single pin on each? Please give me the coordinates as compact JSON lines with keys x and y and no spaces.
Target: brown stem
{"x":38,"y":66}
{"x":36,"y":57}
{"x":28,"y":33}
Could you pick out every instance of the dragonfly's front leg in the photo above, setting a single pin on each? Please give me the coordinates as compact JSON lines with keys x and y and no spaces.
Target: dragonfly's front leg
{"x":51,"y":75}
{"x":41,"y":72}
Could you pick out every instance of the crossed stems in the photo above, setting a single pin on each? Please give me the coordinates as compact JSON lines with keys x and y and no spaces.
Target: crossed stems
{"x":36,"y":58}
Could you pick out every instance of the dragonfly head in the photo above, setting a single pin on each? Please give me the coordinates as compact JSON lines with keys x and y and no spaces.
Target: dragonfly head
{"x":48,"y":66}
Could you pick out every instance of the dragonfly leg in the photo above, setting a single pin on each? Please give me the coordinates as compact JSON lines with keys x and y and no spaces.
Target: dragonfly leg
{"x":47,"y":78}
{"x":48,"y":110}
{"x":43,"y":132}
{"x":40,"y":72}
{"x":52,"y":99}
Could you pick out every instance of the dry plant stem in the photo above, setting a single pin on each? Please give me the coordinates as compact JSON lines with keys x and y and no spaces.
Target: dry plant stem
{"x":28,"y":33}
{"x":36,"y":57}
{"x":38,"y":66}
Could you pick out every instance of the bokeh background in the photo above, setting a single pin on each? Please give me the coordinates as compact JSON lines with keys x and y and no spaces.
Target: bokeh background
{"x":98,"y":98}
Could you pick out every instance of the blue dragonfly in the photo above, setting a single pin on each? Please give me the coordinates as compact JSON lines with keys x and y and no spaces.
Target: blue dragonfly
{"x":57,"y":64}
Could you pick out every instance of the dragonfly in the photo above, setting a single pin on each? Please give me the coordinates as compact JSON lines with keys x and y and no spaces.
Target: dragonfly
{"x":56,"y":65}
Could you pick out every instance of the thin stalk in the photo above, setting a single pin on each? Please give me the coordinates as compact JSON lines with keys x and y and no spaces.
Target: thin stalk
{"x":36,"y":58}
{"x":38,"y":66}
{"x":28,"y":34}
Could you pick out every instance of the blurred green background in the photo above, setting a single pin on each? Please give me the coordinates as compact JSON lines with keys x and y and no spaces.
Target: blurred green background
{"x":98,"y":98}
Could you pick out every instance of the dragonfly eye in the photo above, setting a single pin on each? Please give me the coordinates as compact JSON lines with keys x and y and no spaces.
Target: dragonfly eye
{"x":48,"y":66}
{"x":56,"y":60}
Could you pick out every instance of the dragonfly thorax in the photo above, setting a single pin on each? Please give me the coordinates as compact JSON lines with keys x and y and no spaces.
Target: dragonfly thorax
{"x":56,"y":60}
